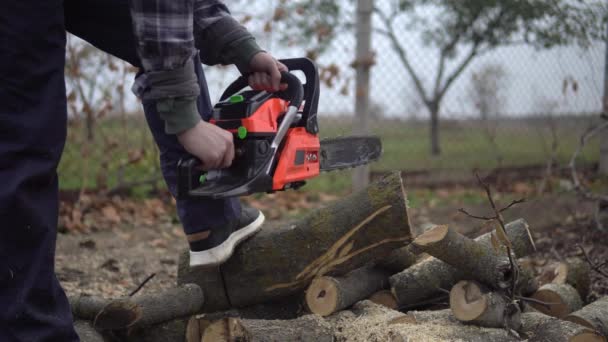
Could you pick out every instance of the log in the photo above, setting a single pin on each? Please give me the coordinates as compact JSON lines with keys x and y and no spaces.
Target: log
{"x":86,"y":307}
{"x":398,"y":260}
{"x":424,"y":279}
{"x":305,"y":328}
{"x":576,"y":272}
{"x":326,"y":295}
{"x":527,"y":284}
{"x":384,"y":298}
{"x":139,"y":311}
{"x":86,"y":331}
{"x":403,"y":257}
{"x":473,"y":303}
{"x":556,"y":330}
{"x":563,"y":298}
{"x":477,"y":260}
{"x":278,"y":261}
{"x":594,"y":316}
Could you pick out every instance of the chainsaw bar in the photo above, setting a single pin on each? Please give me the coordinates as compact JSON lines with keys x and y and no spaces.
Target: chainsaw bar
{"x":348,"y":152}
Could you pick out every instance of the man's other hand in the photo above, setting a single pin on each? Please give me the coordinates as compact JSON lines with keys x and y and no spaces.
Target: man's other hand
{"x":212,"y":145}
{"x":266,"y":73}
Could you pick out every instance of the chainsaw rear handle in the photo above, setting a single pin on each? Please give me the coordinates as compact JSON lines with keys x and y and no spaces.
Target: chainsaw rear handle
{"x":311,"y":90}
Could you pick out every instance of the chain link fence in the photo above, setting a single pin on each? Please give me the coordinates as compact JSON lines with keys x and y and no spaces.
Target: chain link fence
{"x":511,"y":106}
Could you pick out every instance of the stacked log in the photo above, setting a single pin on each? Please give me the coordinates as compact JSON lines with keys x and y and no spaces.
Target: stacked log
{"x":594,"y":316}
{"x":327,"y":295}
{"x":473,"y":303}
{"x":426,"y":278}
{"x":563,"y":299}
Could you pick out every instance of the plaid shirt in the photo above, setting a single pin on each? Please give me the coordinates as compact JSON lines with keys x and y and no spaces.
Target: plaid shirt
{"x":164,"y":30}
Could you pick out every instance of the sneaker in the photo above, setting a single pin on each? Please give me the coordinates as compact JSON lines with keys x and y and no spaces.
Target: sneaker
{"x":220,"y":244}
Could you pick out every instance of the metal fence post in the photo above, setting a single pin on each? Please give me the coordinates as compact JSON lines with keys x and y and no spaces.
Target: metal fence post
{"x":363,"y":63}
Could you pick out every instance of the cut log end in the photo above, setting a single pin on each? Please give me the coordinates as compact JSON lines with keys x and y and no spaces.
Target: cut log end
{"x":224,"y":330}
{"x":385,"y":298}
{"x":431,"y":236}
{"x":467,"y":301}
{"x":322,"y":296}
{"x":562,"y":299}
{"x":118,"y":314}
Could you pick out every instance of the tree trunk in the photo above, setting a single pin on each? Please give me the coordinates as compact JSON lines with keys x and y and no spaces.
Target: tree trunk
{"x":425,"y":279}
{"x":326,"y":295}
{"x":278,"y":261}
{"x":434,"y":128}
{"x":305,"y":328}
{"x":564,"y":299}
{"x":594,"y":316}
{"x":477,"y":260}
{"x":473,"y":303}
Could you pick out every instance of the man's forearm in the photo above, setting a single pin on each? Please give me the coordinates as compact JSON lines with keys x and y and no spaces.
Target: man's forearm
{"x":165,"y":44}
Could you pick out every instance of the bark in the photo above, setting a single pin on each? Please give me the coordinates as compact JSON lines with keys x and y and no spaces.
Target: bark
{"x":404,"y":257}
{"x":477,"y":260}
{"x":576,"y":272}
{"x":326,"y":295}
{"x":564,"y":299}
{"x":305,"y":328}
{"x":594,"y":316}
{"x":398,"y":260}
{"x":384,"y":298}
{"x":556,"y":330}
{"x":347,"y":234}
{"x":527,"y":284}
{"x":139,"y":311}
{"x":472,"y":303}
{"x":424,"y":279}
{"x":87,"y":332}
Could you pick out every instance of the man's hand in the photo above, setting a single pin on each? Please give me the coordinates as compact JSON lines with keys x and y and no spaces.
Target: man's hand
{"x":266,"y":73}
{"x":212,"y":145}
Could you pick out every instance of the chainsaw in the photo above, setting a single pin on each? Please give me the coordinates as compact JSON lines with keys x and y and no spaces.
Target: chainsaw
{"x":276,"y":141}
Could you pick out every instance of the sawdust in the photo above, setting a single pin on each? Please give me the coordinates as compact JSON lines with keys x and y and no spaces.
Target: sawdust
{"x":369,"y":322}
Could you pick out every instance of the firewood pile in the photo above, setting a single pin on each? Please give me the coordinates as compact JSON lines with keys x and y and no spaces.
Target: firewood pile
{"x":354,"y":271}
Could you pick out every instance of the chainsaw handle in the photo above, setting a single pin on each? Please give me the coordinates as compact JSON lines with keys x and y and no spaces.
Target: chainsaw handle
{"x":311,"y":89}
{"x":294,"y":92}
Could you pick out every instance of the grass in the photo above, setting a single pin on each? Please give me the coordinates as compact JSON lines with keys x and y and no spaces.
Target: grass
{"x":406,"y":147}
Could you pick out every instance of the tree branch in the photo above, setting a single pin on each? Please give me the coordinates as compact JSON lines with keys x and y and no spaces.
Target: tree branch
{"x":390,"y":34}
{"x":456,"y":73}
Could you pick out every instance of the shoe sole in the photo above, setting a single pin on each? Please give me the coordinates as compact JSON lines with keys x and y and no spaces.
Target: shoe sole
{"x":219,"y":254}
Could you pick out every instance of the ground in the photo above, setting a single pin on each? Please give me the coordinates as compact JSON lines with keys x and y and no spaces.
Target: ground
{"x":109,"y":245}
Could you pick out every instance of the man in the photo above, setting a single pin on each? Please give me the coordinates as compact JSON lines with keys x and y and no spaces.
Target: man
{"x":33,"y":122}
{"x":169,"y":90}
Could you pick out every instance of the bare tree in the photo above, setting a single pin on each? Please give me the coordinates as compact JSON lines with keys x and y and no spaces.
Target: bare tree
{"x":487,"y":92}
